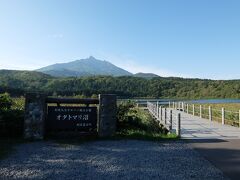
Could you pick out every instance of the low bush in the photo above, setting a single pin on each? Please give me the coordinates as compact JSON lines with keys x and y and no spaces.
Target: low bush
{"x":137,"y":123}
{"x":5,"y":101}
{"x":11,"y":117}
{"x":11,"y":123}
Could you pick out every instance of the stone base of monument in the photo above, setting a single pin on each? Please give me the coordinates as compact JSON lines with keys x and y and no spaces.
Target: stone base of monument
{"x":107,"y":115}
{"x":35,"y":113}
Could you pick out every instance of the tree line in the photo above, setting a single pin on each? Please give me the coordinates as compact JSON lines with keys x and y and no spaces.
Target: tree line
{"x":19,"y":82}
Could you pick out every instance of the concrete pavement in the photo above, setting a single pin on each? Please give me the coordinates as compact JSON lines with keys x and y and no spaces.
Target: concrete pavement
{"x":220,"y":144}
{"x":223,"y":154}
{"x":193,"y":127}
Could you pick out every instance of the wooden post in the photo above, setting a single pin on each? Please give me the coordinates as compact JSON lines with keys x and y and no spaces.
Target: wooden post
{"x":193,"y":110}
{"x":170,"y":121}
{"x":158,"y":118}
{"x":178,"y":129}
{"x":154,"y":110}
{"x":187,"y":108}
{"x":165,"y":116}
{"x":210,"y":113}
{"x":223,"y":116}
{"x":239,"y":119}
{"x":148,"y":106}
{"x":160,"y":113}
{"x":200,"y":111}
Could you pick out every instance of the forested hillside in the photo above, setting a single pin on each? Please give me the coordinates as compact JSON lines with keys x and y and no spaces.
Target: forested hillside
{"x":19,"y":82}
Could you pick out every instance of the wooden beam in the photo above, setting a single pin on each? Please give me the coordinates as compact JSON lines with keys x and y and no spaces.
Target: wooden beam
{"x":72,"y":101}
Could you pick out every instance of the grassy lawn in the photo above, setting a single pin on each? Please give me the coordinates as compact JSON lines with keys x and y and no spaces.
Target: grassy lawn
{"x":228,"y":106}
{"x":143,"y":135}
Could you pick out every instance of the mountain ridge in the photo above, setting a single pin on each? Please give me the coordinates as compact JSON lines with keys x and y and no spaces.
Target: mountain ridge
{"x":84,"y":67}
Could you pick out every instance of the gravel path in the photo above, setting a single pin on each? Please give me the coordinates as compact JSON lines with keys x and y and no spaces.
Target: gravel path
{"x":124,"y":159}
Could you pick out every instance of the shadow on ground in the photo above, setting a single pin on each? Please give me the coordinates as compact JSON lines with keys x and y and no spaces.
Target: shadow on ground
{"x":223,"y":154}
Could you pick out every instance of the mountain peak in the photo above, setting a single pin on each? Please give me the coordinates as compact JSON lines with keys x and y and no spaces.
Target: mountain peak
{"x":84,"y":67}
{"x":91,"y":58}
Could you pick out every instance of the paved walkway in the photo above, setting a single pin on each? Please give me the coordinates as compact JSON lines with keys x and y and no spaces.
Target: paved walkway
{"x":220,"y":144}
{"x":223,"y":154}
{"x":193,"y":127}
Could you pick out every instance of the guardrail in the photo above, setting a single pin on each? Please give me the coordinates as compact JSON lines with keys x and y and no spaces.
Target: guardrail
{"x":165,"y":116}
{"x":221,"y":115}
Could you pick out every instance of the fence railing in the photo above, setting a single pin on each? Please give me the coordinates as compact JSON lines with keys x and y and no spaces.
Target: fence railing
{"x":220,"y":115}
{"x":165,"y":116}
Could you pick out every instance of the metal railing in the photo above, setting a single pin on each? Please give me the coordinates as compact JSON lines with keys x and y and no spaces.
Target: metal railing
{"x":166,"y":116}
{"x":220,"y":115}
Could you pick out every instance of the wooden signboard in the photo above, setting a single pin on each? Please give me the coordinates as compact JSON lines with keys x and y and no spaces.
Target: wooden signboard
{"x":68,"y":118}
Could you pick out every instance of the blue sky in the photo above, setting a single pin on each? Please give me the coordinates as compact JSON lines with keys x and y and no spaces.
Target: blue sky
{"x":187,"y":38}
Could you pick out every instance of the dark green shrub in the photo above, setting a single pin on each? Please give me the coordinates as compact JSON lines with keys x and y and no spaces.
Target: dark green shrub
{"x":11,"y":123}
{"x":130,"y":118}
{"x":122,"y":114}
{"x":5,"y":101}
{"x":11,"y":118}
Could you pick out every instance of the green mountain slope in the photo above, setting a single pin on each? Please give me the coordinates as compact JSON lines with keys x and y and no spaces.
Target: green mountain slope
{"x":20,"y":81}
{"x":146,"y":75}
{"x":84,"y":67}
